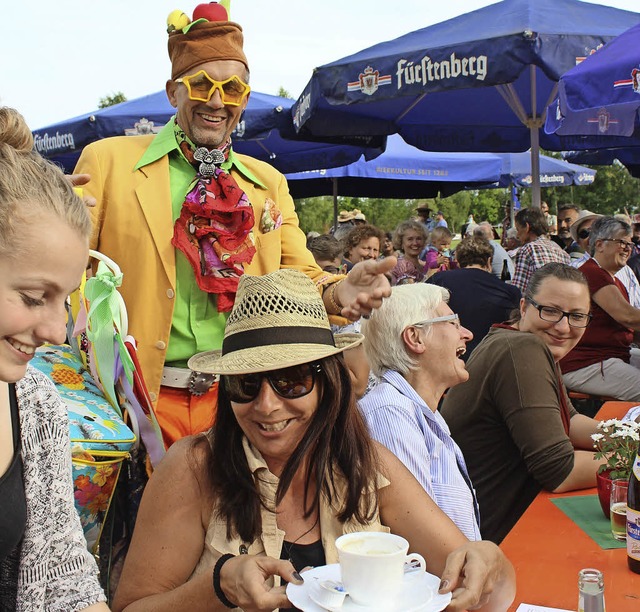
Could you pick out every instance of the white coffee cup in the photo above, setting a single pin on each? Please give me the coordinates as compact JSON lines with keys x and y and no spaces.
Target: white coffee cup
{"x":372,"y":566}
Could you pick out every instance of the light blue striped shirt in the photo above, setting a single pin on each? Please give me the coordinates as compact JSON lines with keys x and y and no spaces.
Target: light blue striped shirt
{"x":398,"y":418}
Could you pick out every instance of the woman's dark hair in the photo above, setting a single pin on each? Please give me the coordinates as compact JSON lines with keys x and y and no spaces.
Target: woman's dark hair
{"x":337,"y":440}
{"x":561,"y":271}
{"x":360,"y":233}
{"x":474,"y":251}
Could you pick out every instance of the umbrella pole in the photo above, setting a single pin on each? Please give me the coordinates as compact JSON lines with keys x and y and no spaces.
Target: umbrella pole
{"x":535,"y":142}
{"x":535,"y":168}
{"x":335,"y":202}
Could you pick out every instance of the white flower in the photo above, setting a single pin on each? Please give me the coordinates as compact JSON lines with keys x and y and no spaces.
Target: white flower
{"x":596,"y":437}
{"x":609,"y":423}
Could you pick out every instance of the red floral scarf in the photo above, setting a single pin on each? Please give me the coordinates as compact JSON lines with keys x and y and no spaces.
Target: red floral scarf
{"x":214,"y":229}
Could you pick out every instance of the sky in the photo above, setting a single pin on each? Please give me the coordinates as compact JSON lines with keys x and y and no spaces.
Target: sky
{"x":59,"y":58}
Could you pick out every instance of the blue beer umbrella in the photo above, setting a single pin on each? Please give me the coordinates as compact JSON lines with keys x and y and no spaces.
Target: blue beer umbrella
{"x":403,"y":171}
{"x":266,"y":132}
{"x":628,"y":156}
{"x":479,"y":82}
{"x":516,"y":170}
{"x":601,"y":95}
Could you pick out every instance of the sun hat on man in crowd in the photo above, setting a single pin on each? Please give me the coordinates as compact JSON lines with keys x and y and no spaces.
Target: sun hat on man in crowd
{"x":583,"y":215}
{"x":346,"y":215}
{"x":278,"y":320}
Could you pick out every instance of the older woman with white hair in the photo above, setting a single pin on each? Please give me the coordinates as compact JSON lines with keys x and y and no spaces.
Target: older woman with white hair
{"x":414,"y":343}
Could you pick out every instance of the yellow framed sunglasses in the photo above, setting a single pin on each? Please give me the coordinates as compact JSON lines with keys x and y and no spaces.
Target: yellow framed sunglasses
{"x":200,"y":87}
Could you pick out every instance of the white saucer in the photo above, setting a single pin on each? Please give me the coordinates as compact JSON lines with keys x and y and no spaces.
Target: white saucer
{"x":419,"y":593}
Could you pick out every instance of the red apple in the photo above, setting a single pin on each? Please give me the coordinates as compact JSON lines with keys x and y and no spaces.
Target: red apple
{"x":211,"y":11}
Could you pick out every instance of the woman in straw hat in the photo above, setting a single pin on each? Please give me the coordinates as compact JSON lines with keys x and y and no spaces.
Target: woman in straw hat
{"x":287,"y":468}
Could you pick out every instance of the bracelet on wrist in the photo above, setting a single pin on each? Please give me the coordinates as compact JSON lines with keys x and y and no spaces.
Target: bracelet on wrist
{"x":216,"y":581}
{"x":331,"y":298}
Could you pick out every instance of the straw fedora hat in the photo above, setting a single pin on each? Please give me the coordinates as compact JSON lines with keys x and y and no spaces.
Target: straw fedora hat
{"x":278,"y":321}
{"x":583,"y":215}
{"x":347,"y":215}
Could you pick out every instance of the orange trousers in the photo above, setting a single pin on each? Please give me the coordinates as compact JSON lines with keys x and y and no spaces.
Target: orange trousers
{"x":181,"y":414}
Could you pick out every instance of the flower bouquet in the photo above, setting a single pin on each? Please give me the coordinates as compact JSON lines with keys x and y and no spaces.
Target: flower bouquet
{"x":617,"y":444}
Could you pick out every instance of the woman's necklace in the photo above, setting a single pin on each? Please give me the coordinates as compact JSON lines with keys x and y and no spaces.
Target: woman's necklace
{"x":288,"y":546}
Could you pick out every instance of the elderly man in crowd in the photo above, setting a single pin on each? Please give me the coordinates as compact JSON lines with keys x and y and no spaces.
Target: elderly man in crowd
{"x":600,"y":363}
{"x":185,"y":217}
{"x":500,"y":255}
{"x":536,"y":250}
{"x":580,"y":230}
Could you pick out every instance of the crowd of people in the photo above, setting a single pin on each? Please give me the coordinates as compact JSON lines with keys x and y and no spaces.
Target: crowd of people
{"x":305,"y":387}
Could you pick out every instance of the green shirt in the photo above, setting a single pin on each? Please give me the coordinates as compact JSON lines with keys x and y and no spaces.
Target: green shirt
{"x":196,"y":324}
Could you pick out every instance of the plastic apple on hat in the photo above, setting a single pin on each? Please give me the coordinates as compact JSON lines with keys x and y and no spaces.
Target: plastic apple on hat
{"x":211,"y":11}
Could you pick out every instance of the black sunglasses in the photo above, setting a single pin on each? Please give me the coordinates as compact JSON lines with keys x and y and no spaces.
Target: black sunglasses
{"x":584,"y":233}
{"x":288,"y":383}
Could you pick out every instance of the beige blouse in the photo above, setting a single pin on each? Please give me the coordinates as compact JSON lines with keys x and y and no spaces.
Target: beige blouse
{"x":270,"y":541}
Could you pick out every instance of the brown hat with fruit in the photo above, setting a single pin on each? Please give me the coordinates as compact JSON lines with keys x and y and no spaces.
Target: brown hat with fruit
{"x":208,"y":37}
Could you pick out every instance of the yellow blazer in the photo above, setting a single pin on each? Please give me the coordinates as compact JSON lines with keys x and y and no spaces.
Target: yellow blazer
{"x":133,"y":225}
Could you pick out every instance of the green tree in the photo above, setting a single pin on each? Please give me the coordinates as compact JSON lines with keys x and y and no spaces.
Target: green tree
{"x":489,"y":205}
{"x":387,"y":213}
{"x":613,"y":191}
{"x":283,"y":93}
{"x":111,"y":100}
{"x":315,"y":214}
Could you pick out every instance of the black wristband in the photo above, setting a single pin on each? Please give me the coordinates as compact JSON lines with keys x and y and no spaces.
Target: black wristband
{"x":216,"y":580}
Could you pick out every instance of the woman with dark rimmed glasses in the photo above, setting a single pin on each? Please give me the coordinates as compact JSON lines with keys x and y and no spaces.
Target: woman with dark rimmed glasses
{"x":287,"y":468}
{"x":513,"y":419}
{"x":601,"y":364}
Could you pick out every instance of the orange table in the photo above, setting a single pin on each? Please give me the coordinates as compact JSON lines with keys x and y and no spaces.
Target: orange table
{"x":548,"y":549}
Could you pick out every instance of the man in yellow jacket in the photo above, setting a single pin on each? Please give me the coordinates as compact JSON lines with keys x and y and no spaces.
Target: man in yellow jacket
{"x":184,"y":216}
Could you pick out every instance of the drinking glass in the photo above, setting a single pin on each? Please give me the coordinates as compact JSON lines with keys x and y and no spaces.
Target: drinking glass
{"x":618,"y":508}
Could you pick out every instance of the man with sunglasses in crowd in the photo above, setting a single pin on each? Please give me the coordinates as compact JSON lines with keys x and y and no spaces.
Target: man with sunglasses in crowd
{"x":185,"y":217}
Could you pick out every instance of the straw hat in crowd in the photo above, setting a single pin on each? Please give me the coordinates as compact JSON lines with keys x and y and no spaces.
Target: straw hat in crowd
{"x":583,"y":215}
{"x":278,"y":321}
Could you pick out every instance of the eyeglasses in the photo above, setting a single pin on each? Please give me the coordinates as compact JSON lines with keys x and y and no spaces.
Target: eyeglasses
{"x":623,"y":244}
{"x":200,"y":87}
{"x":454,"y":319}
{"x":342,"y":269}
{"x":555,"y":315}
{"x":288,"y":383}
{"x":584,"y":233}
